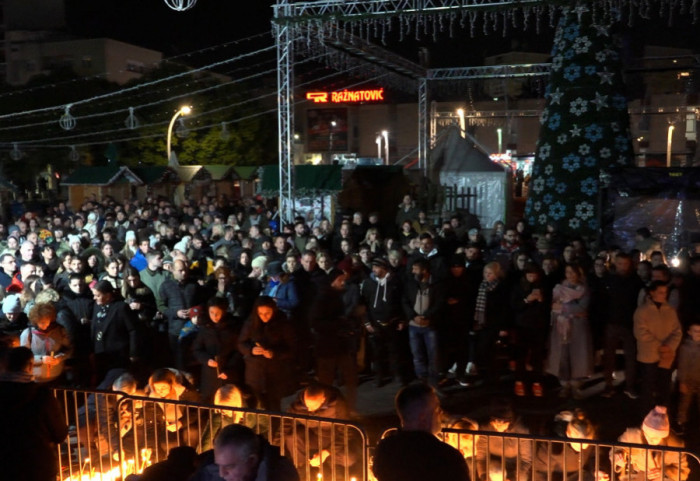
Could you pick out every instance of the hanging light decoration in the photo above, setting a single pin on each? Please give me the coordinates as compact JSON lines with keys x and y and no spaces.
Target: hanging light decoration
{"x":67,"y":121}
{"x":15,"y":153}
{"x":181,"y":130}
{"x":225,"y":134}
{"x":180,"y":5}
{"x":73,"y":155}
{"x":131,"y":121}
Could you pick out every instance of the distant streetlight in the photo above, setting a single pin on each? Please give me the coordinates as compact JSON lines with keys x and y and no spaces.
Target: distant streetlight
{"x":378,"y":140}
{"x":385,"y":134}
{"x":185,"y":110}
{"x":499,"y":132}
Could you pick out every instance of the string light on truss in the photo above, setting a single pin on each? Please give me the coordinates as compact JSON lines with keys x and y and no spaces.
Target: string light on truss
{"x":74,"y":155}
{"x":15,"y":153}
{"x":180,"y":5}
{"x":225,"y":134}
{"x":181,"y":130}
{"x":132,"y":122}
{"x":67,"y":121}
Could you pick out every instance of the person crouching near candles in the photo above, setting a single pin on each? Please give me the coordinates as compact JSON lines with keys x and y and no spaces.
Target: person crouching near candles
{"x":414,"y":453}
{"x":636,"y":464}
{"x":570,"y":461}
{"x":312,"y":443}
{"x":48,"y":340}
{"x":495,"y":452}
{"x":464,"y":442}
{"x":169,"y":384}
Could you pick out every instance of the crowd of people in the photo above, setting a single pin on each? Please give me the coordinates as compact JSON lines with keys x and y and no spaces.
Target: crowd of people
{"x":219,"y":292}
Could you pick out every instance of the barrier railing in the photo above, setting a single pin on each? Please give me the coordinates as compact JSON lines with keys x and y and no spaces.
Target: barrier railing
{"x":496,"y":457}
{"x":114,"y":435}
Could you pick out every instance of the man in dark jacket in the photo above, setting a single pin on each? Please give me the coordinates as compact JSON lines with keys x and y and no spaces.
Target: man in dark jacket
{"x":178,"y":295}
{"x":242,"y":455}
{"x":381,"y":294}
{"x":31,"y":423}
{"x":113,"y":330}
{"x":337,"y":325}
{"x":8,"y":266}
{"x":414,"y":453}
{"x":623,"y":287}
{"x":74,"y":313}
{"x":424,"y":305}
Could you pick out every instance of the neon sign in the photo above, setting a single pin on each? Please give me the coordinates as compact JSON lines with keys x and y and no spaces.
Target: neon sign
{"x":346,"y":96}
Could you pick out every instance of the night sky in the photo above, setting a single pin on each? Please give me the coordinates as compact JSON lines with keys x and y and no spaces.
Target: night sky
{"x":150,"y":23}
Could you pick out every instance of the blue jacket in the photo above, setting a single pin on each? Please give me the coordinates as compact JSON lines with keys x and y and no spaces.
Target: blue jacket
{"x":286,"y":295}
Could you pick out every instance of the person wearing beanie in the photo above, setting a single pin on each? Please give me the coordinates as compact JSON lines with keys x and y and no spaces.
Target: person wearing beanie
{"x":13,"y":320}
{"x":130,"y":245}
{"x":643,"y":464}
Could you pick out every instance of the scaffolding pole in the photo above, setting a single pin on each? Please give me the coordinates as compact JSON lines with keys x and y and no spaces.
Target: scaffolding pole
{"x":285,"y":114}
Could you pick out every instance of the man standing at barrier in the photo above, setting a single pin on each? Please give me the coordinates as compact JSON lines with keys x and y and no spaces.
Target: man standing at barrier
{"x":414,"y":452}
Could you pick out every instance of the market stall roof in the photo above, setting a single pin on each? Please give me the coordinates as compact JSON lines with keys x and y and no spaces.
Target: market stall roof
{"x":101,"y":175}
{"x":246,"y":172}
{"x":188,"y":172}
{"x":7,"y":185}
{"x":453,"y":153}
{"x":308,"y":180}
{"x":218,"y":172}
{"x":154,"y":174}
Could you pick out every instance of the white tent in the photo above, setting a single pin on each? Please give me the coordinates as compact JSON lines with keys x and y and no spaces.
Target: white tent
{"x":457,"y":162}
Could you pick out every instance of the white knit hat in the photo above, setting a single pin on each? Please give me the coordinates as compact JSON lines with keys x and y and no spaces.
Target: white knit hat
{"x":12,"y":304}
{"x":260,"y":261}
{"x":656,"y":423}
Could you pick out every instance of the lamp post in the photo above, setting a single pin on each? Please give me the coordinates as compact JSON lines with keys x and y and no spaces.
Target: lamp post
{"x":185,"y":110}
{"x":331,"y":129}
{"x":385,"y":134}
{"x":669,"y":142}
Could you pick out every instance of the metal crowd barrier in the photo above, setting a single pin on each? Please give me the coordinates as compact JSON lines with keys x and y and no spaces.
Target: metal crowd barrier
{"x":498,"y":457}
{"x":114,"y":435}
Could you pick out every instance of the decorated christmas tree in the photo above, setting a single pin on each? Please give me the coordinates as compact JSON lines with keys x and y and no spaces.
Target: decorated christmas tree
{"x":584,"y":125}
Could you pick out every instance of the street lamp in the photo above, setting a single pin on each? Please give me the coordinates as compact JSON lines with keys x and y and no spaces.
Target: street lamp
{"x":385,"y":134}
{"x":185,"y":110}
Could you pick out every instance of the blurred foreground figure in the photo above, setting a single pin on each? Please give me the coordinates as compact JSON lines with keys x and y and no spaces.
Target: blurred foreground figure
{"x":31,"y":424}
{"x":414,"y":452}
